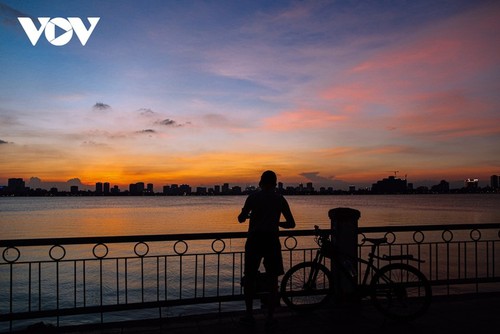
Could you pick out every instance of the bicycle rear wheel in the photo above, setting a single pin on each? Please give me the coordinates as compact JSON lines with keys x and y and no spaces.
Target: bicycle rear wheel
{"x":400,"y":291}
{"x":306,"y":286}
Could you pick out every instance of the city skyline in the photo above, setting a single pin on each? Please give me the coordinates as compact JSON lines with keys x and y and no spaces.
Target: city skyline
{"x":322,"y":92}
{"x":392,"y":182}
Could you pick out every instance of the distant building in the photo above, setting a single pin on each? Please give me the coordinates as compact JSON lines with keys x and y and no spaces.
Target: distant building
{"x":106,"y":188}
{"x":494,"y":181}
{"x":150,"y":188}
{"x":73,"y":189}
{"x":115,"y":190}
{"x":471,"y":184}
{"x":441,"y":188}
{"x":16,"y":186}
{"x":390,"y":185}
{"x":236,"y":190}
{"x":201,"y":190}
{"x":184,"y":189}
{"x":98,"y":188}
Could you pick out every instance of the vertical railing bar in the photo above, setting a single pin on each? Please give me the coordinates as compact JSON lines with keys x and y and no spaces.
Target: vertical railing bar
{"x":465,"y":260}
{"x":218,"y":279}
{"x":100,"y":288}
{"x":180,"y":276}
{"x":84,"y":284}
{"x":11,"y":287}
{"x":74,"y":284}
{"x":195,"y":275}
{"x":117,"y":281}
{"x":241,"y":270}
{"x":39,"y":286}
{"x":487,"y":259}
{"x":142,"y":279}
{"x":126,"y":280}
{"x":448,"y":268}
{"x":158,"y":279}
{"x":204,"y":273}
{"x":430,"y":261}
{"x":233,"y":274}
{"x":57,"y":291}
{"x":459,"y":259}
{"x":476,"y":266}
{"x":158,"y":284}
{"x":166,"y":280}
{"x":29,"y":287}
{"x":493,"y":258}
{"x":437,"y":260}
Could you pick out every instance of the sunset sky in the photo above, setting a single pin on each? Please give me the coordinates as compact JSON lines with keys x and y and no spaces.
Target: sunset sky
{"x":205,"y":92}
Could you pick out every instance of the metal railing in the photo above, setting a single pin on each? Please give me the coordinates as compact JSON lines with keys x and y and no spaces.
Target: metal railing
{"x":64,"y":278}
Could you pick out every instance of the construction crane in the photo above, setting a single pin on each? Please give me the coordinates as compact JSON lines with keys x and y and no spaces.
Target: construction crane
{"x":395,"y":172}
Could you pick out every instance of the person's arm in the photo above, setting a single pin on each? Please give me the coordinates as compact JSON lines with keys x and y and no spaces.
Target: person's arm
{"x":287,"y":213}
{"x":245,"y":211}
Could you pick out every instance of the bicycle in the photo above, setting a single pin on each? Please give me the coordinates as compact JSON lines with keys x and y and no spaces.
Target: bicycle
{"x":398,"y":290}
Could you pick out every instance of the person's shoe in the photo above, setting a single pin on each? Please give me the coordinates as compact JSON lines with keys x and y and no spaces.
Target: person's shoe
{"x":247,"y":320}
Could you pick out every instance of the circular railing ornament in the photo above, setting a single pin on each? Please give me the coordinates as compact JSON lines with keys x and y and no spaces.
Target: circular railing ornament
{"x":418,"y":237}
{"x":7,"y":257}
{"x":292,"y":247}
{"x":362,"y":241}
{"x":138,"y":252}
{"x":177,"y":251}
{"x":54,"y":256}
{"x":447,"y":236}
{"x":391,"y":237}
{"x":222,"y":247}
{"x":475,"y":235}
{"x":95,"y":250}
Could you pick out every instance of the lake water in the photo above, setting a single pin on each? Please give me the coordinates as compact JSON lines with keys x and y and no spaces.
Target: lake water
{"x":42,"y":217}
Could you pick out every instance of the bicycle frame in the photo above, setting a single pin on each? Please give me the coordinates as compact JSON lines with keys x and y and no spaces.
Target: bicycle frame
{"x":338,"y":266}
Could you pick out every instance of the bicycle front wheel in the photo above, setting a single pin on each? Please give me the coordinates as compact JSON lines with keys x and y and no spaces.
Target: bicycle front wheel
{"x":400,"y":291}
{"x":306,"y":286}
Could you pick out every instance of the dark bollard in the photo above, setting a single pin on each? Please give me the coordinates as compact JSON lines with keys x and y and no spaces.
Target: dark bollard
{"x":344,"y":224}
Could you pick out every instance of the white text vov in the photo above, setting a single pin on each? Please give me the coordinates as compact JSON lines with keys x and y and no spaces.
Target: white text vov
{"x":49,"y":26}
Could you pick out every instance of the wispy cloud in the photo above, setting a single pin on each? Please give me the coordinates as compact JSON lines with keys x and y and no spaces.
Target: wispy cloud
{"x":301,"y":119}
{"x":100,"y":106}
{"x":147,"y":131}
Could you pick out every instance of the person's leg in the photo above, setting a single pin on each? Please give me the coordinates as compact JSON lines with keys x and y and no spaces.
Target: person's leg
{"x":273,"y":262}
{"x":249,"y":292}
{"x":252,"y":263}
{"x":273,"y":295}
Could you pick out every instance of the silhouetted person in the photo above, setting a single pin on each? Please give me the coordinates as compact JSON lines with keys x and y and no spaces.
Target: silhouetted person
{"x":264,"y":208}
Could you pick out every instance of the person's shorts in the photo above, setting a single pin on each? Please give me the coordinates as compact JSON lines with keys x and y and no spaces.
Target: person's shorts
{"x":267,"y":247}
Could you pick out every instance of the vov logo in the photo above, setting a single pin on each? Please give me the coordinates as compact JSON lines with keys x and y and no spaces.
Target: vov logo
{"x":68,"y":26}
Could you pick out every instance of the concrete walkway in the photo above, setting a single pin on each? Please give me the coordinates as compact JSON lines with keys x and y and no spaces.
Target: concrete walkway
{"x":472,"y":314}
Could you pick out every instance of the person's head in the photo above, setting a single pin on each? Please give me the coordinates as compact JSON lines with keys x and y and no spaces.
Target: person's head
{"x":268,"y":180}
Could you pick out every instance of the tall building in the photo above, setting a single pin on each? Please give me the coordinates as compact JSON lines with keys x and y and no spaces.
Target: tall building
{"x":98,"y":188}
{"x":16,"y":186}
{"x":390,"y":185}
{"x":106,"y":188}
{"x":494,"y":181}
{"x":150,"y":188}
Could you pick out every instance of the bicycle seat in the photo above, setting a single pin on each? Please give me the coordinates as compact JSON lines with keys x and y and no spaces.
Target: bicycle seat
{"x":375,"y":241}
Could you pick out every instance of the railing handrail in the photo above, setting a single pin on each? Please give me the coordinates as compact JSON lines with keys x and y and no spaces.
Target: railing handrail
{"x":226,"y":235}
